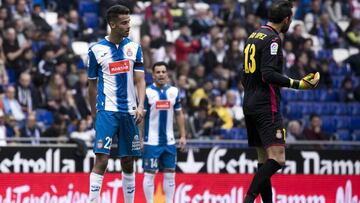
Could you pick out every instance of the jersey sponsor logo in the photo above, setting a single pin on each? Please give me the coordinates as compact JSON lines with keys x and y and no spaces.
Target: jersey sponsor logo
{"x":162,"y":105}
{"x":99,"y":144}
{"x":129,"y":53}
{"x":119,"y":67}
{"x":274,"y":48}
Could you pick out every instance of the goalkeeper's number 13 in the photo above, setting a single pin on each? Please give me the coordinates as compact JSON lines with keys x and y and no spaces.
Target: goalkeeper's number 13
{"x":250,"y":63}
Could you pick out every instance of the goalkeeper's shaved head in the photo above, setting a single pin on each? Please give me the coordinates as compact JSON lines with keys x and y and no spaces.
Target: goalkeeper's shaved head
{"x":279,"y":10}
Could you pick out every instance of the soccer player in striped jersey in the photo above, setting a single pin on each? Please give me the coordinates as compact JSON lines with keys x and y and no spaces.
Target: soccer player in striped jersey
{"x":116,"y":73}
{"x":159,"y":150}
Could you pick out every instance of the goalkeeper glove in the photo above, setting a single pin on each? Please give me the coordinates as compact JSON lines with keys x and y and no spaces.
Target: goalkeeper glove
{"x":308,"y":82}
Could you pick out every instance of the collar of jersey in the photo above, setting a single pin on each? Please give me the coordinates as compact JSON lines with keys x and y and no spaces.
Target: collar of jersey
{"x":271,"y":28}
{"x":116,"y":45}
{"x":166,"y":86}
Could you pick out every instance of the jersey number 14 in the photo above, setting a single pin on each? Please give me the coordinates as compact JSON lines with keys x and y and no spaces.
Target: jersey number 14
{"x":250,"y":63}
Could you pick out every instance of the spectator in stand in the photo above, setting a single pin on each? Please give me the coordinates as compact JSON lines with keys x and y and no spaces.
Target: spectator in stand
{"x":294,"y":131}
{"x":202,"y":92}
{"x":239,"y":33}
{"x":185,"y":44}
{"x":327,"y":32}
{"x":155,"y":28}
{"x":24,"y":92}
{"x":68,"y":108}
{"x":26,"y":62}
{"x":81,"y":95}
{"x":355,"y":8}
{"x":176,"y":12}
{"x":234,"y":108}
{"x":229,"y":13}
{"x":61,"y":25}
{"x":55,"y":91}
{"x":326,"y":80}
{"x":12,"y":106}
{"x":76,"y":26}
{"x":222,"y":112}
{"x":198,"y":75}
{"x":233,"y":59}
{"x":31,"y":130}
{"x":333,"y":8}
{"x":147,"y":52}
{"x":184,"y":92}
{"x":219,"y":49}
{"x":289,"y":56}
{"x":52,"y":43}
{"x":313,"y":131}
{"x":47,"y":64}
{"x":161,"y":10}
{"x":37,"y":19}
{"x":56,"y":130}
{"x":202,"y":23}
{"x":347,"y":90}
{"x":13,"y":50}
{"x":39,"y":95}
{"x":83,"y":132}
{"x":251,"y":23}
{"x":12,"y":128}
{"x":3,"y":134}
{"x":354,"y":63}
{"x":309,"y":48}
{"x":300,"y":69}
{"x":352,"y":33}
{"x":22,"y":11}
{"x":296,"y":37}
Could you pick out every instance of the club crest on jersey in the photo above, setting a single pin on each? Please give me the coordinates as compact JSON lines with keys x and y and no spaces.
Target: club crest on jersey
{"x":99,"y":144}
{"x":117,"y":67}
{"x":278,"y":134}
{"x":162,"y":105}
{"x":129,"y":53}
{"x":274,"y":48}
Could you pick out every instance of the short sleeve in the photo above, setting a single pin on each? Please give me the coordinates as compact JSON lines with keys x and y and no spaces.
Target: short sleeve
{"x":177,"y":105}
{"x":146,"y":104}
{"x":138,"y":66}
{"x":92,"y":65}
{"x":270,"y":55}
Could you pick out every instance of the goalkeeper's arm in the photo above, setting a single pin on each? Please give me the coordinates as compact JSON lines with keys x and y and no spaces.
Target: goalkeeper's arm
{"x":308,"y":82}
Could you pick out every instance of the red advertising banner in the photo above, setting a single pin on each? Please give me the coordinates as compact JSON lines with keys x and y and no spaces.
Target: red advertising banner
{"x":191,"y":188}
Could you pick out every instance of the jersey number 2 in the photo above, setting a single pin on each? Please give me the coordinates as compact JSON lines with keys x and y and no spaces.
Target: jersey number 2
{"x":250,"y":63}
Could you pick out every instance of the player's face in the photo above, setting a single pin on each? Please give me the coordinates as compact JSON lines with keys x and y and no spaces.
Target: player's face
{"x":286,"y":24}
{"x":160,"y":75}
{"x":121,"y":26}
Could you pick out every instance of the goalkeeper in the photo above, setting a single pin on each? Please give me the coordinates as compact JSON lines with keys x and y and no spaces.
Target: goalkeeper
{"x":262,"y":80}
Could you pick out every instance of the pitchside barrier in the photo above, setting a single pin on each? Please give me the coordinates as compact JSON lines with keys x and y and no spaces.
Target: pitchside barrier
{"x":208,"y":172}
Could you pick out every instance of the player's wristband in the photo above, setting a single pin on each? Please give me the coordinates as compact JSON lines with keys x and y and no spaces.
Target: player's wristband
{"x":294,"y":83}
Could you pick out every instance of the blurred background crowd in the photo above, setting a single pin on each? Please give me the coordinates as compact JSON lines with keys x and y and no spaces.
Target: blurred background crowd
{"x":43,"y":77}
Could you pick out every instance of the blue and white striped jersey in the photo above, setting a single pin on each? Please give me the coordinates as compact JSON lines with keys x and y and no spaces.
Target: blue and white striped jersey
{"x":114,"y":65}
{"x":159,"y":106}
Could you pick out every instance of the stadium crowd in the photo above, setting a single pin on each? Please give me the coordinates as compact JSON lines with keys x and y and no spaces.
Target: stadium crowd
{"x":43,"y":82}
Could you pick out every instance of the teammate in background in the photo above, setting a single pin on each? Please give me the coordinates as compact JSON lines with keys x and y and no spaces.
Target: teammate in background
{"x":115,"y":64}
{"x":263,"y":62}
{"x":159,"y":149}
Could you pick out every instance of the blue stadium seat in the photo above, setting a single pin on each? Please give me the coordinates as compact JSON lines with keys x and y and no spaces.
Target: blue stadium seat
{"x":355,"y":123}
{"x":356,"y":135}
{"x":328,"y":95}
{"x":343,"y":122}
{"x":91,"y":20}
{"x":343,"y":135}
{"x":353,"y":108}
{"x":294,"y":110}
{"x":328,"y":124}
{"x":88,"y":6}
{"x":45,"y":117}
{"x":289,"y":94}
{"x":341,"y":108}
{"x":305,"y":95}
{"x":215,"y":8}
{"x":337,"y":80}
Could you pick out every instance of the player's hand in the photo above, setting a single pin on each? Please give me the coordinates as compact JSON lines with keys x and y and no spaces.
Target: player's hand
{"x":310,"y":81}
{"x":182,"y":143}
{"x":139,"y":114}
